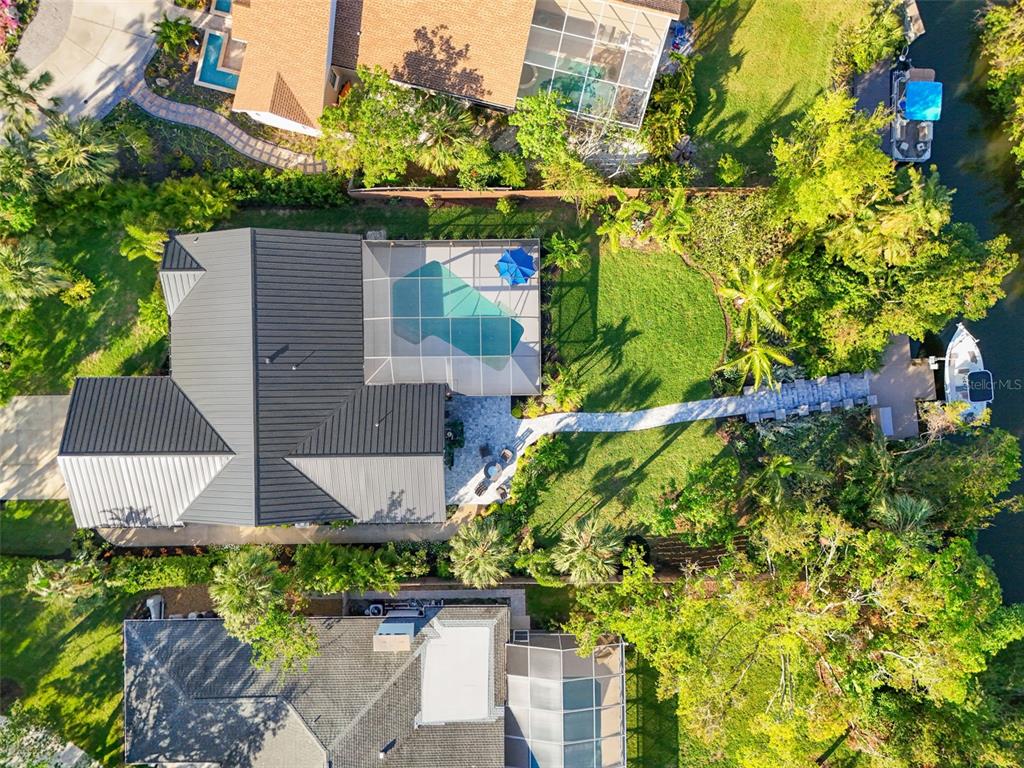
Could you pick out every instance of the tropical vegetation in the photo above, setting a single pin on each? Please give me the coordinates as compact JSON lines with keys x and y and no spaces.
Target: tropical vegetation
{"x":1002,"y":48}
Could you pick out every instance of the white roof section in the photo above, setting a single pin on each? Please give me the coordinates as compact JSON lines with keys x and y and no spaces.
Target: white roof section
{"x":176,"y":285}
{"x":456,"y":683}
{"x":437,"y":311}
{"x":137,"y":489}
{"x":212,"y":362}
{"x":381,"y":489}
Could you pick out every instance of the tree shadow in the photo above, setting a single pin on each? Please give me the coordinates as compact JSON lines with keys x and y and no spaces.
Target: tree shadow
{"x":438,"y":63}
{"x":652,"y":739}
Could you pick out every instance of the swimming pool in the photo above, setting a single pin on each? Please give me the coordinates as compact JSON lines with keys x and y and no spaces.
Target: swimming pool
{"x":209,"y":73}
{"x":223,"y":6}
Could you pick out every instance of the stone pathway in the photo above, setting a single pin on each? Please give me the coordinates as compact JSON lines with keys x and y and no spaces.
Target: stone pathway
{"x":488,"y":421}
{"x":186,"y":114}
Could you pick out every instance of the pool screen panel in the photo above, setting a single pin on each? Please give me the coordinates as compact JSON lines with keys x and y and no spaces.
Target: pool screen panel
{"x":439,"y":312}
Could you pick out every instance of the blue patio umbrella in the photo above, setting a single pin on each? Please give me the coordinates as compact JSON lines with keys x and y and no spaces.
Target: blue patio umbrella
{"x":923,"y":100}
{"x":516,"y":266}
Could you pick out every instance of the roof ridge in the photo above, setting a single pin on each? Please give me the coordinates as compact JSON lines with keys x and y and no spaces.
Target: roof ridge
{"x":379,"y":693}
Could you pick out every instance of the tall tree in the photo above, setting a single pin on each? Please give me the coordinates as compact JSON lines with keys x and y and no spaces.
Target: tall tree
{"x":78,"y":154}
{"x":28,"y":270}
{"x":446,"y":127}
{"x":756,"y":361}
{"x":589,"y":550}
{"x":480,"y":555}
{"x":251,"y":593}
{"x":21,"y":104}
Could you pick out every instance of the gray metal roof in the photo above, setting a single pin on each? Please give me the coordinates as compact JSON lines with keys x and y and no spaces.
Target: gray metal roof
{"x":398,"y":419}
{"x":352,"y":700}
{"x":177,"y":257}
{"x":135,"y":414}
{"x":267,"y":345}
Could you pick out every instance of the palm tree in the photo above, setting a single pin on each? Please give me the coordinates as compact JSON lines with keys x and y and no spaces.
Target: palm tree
{"x":19,"y":97}
{"x":757,"y":360}
{"x":874,"y":468}
{"x":907,"y":517}
{"x":246,"y":587}
{"x":671,"y":221}
{"x":28,"y":270}
{"x":446,"y":130}
{"x":76,"y":155}
{"x":770,"y":485}
{"x":173,"y":36}
{"x":563,"y":389}
{"x":755,"y":294}
{"x":627,"y":221}
{"x":479,"y":555}
{"x":589,"y":551}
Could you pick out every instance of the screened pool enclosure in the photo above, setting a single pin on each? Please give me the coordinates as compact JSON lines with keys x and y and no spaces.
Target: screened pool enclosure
{"x":564,"y":711}
{"x":600,"y":56}
{"x":442,"y":312}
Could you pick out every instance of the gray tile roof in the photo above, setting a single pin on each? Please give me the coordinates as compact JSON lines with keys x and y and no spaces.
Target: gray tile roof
{"x":177,"y":258}
{"x":351,"y":700}
{"x":133,"y":415}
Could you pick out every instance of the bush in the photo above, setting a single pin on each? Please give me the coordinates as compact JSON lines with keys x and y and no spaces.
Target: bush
{"x":79,"y":293}
{"x":505,"y":206}
{"x":14,"y":571}
{"x":661,"y":174}
{"x":876,"y":36}
{"x":264,"y":186}
{"x":730,"y":171}
{"x":672,"y":101}
{"x":331,"y":568}
{"x":702,"y":510}
{"x":480,"y":166}
{"x":566,"y":252}
{"x":140,"y":574}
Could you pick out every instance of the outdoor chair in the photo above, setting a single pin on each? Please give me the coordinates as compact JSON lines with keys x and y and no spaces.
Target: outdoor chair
{"x":506,"y":455}
{"x":481,"y":487}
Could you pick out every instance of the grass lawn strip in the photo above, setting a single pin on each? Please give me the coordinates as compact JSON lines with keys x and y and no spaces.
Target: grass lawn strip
{"x":36,"y":528}
{"x":763,"y":62}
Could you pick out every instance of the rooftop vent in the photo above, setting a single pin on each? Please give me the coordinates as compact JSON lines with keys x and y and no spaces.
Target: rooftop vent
{"x":394,"y":636}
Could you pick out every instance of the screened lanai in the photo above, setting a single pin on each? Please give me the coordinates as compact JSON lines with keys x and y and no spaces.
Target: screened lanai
{"x":564,"y":711}
{"x":441,"y":312}
{"x":600,"y":56}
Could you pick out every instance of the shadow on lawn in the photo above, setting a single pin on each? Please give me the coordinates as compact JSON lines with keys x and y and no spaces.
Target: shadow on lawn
{"x":652,"y":739}
{"x":716,"y":24}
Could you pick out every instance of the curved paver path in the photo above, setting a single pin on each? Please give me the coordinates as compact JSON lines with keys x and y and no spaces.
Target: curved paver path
{"x":257,"y":149}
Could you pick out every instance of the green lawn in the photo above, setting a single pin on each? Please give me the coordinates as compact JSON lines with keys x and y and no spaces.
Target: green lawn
{"x":51,"y":343}
{"x":652,"y":726}
{"x":40,"y":528}
{"x":763,"y":62}
{"x":69,"y":667}
{"x":643,"y":330}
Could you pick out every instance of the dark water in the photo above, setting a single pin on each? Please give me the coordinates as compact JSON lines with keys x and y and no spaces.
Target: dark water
{"x":972,"y":155}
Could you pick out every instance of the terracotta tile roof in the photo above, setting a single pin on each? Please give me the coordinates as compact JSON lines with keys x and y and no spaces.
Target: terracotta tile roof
{"x":463,"y":47}
{"x":286,"y":52}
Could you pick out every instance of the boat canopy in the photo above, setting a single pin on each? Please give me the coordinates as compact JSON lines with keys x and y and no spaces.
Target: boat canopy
{"x":979,"y":384}
{"x":923,"y":100}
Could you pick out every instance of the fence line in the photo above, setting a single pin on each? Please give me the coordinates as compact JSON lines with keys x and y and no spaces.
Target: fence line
{"x":496,"y":193}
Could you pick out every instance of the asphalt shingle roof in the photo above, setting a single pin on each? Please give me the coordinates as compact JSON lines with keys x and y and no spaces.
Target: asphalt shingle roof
{"x":192,"y":695}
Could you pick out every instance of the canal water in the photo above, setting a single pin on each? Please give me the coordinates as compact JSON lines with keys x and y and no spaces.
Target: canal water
{"x":972,"y":155}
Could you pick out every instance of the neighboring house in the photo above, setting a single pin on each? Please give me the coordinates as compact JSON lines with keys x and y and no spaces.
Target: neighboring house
{"x":382,"y":692}
{"x":308,"y":381}
{"x":297,"y":55}
{"x":444,"y":690}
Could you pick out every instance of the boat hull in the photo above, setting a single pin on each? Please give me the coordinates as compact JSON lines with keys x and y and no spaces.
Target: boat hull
{"x":965,"y":377}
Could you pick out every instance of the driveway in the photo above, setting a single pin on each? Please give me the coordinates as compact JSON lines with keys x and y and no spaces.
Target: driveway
{"x":91,"y":47}
{"x":30,"y":431}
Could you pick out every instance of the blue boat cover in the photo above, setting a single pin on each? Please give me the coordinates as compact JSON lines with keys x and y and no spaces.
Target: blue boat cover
{"x":516,"y":266}
{"x":923,"y":100}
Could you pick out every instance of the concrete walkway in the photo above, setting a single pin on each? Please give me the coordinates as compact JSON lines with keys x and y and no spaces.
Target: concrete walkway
{"x":30,"y":432}
{"x":91,"y":48}
{"x":186,"y":114}
{"x":489,"y":421}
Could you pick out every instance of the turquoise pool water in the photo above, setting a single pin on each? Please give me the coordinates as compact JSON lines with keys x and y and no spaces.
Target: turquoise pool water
{"x":224,"y":6}
{"x":209,"y":74}
{"x":432,"y":302}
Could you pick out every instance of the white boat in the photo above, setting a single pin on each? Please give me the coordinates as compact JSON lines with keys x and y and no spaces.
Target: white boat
{"x":966,"y":379}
